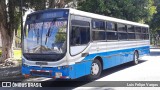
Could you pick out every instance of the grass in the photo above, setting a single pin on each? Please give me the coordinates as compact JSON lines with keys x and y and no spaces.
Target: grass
{"x":17,"y":54}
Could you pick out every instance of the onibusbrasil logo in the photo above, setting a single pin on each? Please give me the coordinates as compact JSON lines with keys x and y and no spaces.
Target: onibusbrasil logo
{"x":21,"y":84}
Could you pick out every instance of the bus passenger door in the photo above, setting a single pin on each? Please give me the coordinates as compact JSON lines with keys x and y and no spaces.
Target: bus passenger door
{"x":79,"y":41}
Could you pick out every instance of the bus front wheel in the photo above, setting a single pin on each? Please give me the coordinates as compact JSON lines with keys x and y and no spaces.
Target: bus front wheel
{"x":96,"y":69}
{"x":135,"y":58}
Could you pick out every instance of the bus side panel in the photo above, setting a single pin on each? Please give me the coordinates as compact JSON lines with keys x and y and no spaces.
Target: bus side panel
{"x":144,"y":51}
{"x":80,"y":69}
{"x":130,"y":55}
{"x":127,"y":55}
{"x":115,"y":58}
{"x":118,"y":57}
{"x":72,"y":72}
{"x":107,"y":60}
{"x":140,"y":51}
{"x":88,"y":63}
{"x":88,"y":67}
{"x":110,"y":59}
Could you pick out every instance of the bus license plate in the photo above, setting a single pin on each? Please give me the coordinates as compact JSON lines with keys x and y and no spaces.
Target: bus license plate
{"x":58,"y":74}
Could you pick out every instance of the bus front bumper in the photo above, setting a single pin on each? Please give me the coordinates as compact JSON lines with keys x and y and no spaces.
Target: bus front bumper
{"x":62,"y":72}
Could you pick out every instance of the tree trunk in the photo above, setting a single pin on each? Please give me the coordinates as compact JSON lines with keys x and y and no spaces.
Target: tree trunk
{"x":51,"y":3}
{"x":7,"y":49}
{"x":6,"y":32}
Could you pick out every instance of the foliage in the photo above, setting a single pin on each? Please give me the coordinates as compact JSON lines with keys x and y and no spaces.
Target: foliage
{"x":42,"y":4}
{"x":156,"y":18}
{"x":34,"y":4}
{"x":61,"y":37}
{"x":133,"y":10}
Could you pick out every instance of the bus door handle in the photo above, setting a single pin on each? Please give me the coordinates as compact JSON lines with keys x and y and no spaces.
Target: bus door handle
{"x":84,"y":54}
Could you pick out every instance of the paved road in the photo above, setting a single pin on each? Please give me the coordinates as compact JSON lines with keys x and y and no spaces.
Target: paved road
{"x":146,"y":70}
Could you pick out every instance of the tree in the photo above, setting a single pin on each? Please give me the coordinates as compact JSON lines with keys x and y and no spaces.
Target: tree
{"x":10,"y":19}
{"x":34,"y":4}
{"x":154,"y":24}
{"x":133,"y":10}
{"x":58,"y":3}
{"x":156,"y":18}
{"x":8,"y":24}
{"x":43,"y":4}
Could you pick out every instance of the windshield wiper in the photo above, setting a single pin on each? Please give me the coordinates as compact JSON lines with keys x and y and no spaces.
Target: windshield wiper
{"x":36,"y":33}
{"x":49,"y":30}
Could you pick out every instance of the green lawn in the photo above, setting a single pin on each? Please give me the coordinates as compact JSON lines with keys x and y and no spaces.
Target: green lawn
{"x":17,"y":54}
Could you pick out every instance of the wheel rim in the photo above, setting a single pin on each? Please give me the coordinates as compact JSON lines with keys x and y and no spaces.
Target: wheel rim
{"x":95,"y":69}
{"x":136,"y":58}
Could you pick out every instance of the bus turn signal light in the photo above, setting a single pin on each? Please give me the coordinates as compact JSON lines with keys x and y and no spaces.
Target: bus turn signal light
{"x":26,"y":75}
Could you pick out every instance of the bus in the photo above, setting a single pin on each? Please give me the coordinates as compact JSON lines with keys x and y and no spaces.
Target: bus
{"x":68,"y":43}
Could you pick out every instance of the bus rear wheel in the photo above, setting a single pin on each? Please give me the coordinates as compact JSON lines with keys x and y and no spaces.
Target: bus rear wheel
{"x":96,"y":69}
{"x":135,"y":58}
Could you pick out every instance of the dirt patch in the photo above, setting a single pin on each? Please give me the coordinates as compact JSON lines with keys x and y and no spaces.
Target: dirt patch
{"x":10,"y":69}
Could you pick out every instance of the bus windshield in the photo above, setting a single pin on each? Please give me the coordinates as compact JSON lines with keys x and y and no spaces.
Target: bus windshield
{"x":45,"y":37}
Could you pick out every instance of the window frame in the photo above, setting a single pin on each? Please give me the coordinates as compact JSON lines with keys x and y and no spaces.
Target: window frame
{"x":71,"y":29}
{"x":112,"y":31}
{"x":115,"y":26}
{"x":137,"y":30}
{"x":131,"y":26}
{"x":98,"y":30}
{"x":122,"y":32}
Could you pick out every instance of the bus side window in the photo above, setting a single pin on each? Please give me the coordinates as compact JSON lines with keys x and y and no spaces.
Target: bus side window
{"x":122,"y":31}
{"x":98,"y":30}
{"x":75,"y":38}
{"x":138,"y":33}
{"x":80,"y":33}
{"x":111,"y":31}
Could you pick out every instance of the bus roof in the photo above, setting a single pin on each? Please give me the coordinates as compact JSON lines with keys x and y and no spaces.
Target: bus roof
{"x":95,"y":16}
{"x":107,"y":18}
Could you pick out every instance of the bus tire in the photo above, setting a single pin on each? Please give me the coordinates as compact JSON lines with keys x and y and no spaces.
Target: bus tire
{"x":96,"y":70}
{"x":135,"y":58}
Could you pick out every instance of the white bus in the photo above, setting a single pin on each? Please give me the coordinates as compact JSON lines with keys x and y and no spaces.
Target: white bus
{"x":69,"y":43}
